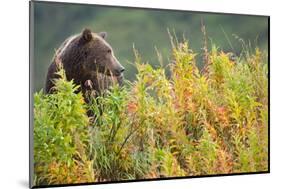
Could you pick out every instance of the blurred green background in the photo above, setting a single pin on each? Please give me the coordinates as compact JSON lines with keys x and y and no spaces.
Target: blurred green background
{"x":145,"y":28}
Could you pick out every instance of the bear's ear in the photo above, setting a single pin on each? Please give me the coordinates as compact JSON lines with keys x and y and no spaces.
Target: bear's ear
{"x":103,"y":34}
{"x":87,"y":34}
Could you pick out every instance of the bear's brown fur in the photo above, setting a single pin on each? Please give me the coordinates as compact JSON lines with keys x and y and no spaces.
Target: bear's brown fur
{"x":85,"y":57}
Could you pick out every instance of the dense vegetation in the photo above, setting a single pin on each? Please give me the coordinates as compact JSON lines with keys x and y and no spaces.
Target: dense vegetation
{"x":193,"y":122}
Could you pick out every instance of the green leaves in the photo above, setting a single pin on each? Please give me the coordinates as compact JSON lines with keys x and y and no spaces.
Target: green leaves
{"x":58,"y":118}
{"x":189,"y":123}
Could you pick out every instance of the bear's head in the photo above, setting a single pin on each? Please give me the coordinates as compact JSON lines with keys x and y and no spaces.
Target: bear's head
{"x":98,"y":55}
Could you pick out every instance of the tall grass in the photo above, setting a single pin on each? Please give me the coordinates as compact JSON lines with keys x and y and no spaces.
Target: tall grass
{"x":195,"y":122}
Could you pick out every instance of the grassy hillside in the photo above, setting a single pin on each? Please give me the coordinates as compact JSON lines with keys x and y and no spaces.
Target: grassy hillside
{"x":194,"y":122}
{"x":145,"y":28}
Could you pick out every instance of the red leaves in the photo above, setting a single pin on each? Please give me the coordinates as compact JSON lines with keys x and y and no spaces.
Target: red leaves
{"x":132,"y":107}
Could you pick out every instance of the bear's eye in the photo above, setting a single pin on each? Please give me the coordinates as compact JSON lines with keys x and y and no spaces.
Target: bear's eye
{"x":109,"y":51}
{"x":86,"y":53}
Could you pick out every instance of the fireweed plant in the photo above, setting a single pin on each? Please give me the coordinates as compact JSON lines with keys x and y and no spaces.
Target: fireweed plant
{"x":195,"y":122}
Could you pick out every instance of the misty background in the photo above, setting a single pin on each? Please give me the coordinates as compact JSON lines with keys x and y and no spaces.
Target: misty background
{"x":143,"y":28}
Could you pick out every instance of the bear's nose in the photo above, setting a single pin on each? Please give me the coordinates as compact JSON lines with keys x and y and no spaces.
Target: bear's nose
{"x":122,"y":70}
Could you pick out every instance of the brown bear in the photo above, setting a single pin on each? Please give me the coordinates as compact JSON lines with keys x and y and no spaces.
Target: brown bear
{"x":87,"y":59}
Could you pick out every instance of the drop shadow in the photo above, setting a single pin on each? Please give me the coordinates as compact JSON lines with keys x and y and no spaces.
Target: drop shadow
{"x":24,"y":183}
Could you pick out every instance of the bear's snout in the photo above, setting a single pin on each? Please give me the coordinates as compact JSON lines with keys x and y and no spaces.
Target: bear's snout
{"x":119,"y":70}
